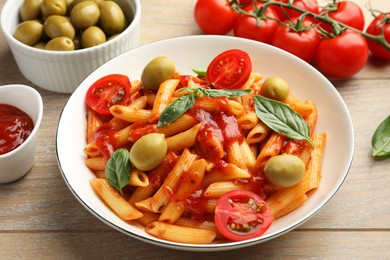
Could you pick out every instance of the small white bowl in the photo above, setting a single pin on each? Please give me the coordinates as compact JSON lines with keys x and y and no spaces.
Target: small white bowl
{"x":16,"y":163}
{"x":190,"y":52}
{"x":63,"y":71}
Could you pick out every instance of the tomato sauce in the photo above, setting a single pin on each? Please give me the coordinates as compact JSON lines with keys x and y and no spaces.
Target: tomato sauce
{"x":15,"y":127}
{"x":105,"y":139}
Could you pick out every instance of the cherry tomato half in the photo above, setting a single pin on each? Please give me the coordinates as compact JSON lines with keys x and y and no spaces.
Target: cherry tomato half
{"x":230,"y":69}
{"x":375,"y":28}
{"x":214,"y":16}
{"x":342,"y":56}
{"x":302,"y":44}
{"x":242,"y":215}
{"x":110,"y":90}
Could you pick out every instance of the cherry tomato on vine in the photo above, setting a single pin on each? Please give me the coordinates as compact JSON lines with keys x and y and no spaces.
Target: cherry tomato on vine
{"x":247,"y":27}
{"x":375,"y":28}
{"x":302,"y":44}
{"x":348,"y":13}
{"x":241,"y":215}
{"x":230,"y":69}
{"x":108,"y":91}
{"x":308,"y":5}
{"x":342,"y":56}
{"x":214,"y":16}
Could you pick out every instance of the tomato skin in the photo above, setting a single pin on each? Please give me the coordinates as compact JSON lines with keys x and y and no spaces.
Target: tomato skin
{"x":342,"y":56}
{"x":113,"y":89}
{"x":214,"y":16}
{"x":247,"y":27}
{"x":230,"y":69}
{"x":233,"y":208}
{"x":348,"y":13}
{"x":301,"y":44}
{"x":308,"y":5}
{"x":375,"y":28}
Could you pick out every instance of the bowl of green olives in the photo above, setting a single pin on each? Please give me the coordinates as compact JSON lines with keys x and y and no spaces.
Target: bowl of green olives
{"x":146,"y":69}
{"x":57,"y":43}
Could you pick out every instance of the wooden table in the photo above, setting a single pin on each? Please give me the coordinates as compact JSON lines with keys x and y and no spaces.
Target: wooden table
{"x":41,"y":219}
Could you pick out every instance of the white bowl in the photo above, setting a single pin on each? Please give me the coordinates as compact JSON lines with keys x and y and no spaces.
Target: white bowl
{"x":188,"y":52}
{"x":61,"y":71}
{"x":16,"y":163}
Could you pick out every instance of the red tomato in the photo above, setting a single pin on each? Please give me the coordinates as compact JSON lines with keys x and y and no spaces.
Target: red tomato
{"x":230,"y":69}
{"x":242,"y":215}
{"x":342,"y":56}
{"x":348,"y":13}
{"x":214,"y":16}
{"x":375,"y":28}
{"x":247,"y":27}
{"x":308,"y":5}
{"x":302,"y":44}
{"x":108,"y":91}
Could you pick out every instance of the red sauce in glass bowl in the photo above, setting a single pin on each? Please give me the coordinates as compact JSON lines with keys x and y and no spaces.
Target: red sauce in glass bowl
{"x":15,"y":127}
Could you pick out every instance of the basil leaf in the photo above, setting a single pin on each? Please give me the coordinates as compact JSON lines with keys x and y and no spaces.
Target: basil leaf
{"x":380,"y":141}
{"x":230,"y":93}
{"x":282,"y":118}
{"x":177,"y":108}
{"x":200,"y":70}
{"x":118,"y":169}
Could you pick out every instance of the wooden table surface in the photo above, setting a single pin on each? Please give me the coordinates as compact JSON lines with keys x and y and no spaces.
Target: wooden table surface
{"x":41,"y":219}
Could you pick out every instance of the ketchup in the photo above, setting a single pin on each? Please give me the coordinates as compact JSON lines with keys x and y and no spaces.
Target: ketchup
{"x":15,"y":127}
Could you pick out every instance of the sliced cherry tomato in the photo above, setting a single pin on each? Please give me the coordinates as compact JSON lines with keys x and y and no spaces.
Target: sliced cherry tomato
{"x":214,"y":16}
{"x":108,"y":91}
{"x":342,"y":56}
{"x":247,"y":26}
{"x":241,"y":215}
{"x":348,"y":13}
{"x":230,"y":69}
{"x":376,"y":26}
{"x":302,"y":43}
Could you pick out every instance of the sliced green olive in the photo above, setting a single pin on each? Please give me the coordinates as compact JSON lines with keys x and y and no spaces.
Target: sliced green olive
{"x":156,"y":72}
{"x":284,"y":170}
{"x":148,"y":151}
{"x":275,"y":88}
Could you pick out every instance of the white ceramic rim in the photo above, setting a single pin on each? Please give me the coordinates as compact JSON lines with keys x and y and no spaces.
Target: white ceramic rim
{"x":230,"y":245}
{"x":36,"y":95}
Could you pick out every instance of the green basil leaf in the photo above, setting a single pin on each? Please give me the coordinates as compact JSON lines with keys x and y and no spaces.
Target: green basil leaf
{"x":200,"y":70}
{"x":230,"y":93}
{"x":177,"y":108}
{"x":118,"y":169}
{"x":380,"y":141}
{"x":282,"y":118}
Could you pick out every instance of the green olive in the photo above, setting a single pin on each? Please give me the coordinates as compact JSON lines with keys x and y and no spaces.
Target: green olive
{"x":57,"y":25}
{"x":40,"y":45}
{"x":30,"y":9}
{"x":284,"y":170}
{"x":61,"y":43}
{"x":92,"y":36}
{"x":276,"y":88}
{"x":29,"y":32}
{"x":85,"y":14}
{"x":112,"y":19}
{"x":148,"y":151}
{"x":51,"y":7}
{"x":156,"y":72}
{"x":75,"y":2}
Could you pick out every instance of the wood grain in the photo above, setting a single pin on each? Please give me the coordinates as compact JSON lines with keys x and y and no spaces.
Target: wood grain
{"x":41,"y":219}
